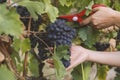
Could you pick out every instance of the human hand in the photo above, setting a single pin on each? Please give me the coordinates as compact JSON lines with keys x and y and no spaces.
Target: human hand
{"x":101,"y":18}
{"x":78,"y":55}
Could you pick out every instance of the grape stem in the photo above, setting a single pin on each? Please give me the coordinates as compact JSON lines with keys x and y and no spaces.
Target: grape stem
{"x":45,"y":44}
{"x":29,"y":25}
{"x":4,"y":49}
{"x":25,"y":64}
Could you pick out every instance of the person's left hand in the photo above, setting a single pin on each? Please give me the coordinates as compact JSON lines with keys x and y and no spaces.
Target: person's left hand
{"x":78,"y":55}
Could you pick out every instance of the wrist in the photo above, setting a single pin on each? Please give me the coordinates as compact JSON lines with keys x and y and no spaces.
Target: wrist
{"x":90,"y":54}
{"x":117,"y":18}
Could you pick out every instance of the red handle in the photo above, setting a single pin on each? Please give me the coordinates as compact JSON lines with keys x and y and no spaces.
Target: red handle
{"x":79,"y":17}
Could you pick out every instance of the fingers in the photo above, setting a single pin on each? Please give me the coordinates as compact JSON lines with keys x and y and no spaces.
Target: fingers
{"x":95,"y":9}
{"x":86,"y":21}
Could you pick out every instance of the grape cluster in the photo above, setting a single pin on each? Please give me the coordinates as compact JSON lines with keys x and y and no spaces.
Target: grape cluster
{"x":43,"y":43}
{"x":118,"y":35}
{"x":59,"y":33}
{"x":25,"y":18}
{"x":117,"y":69}
{"x":101,"y":46}
{"x":43,"y":47}
{"x":2,"y":1}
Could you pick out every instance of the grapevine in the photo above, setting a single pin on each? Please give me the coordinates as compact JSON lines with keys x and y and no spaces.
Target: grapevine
{"x":31,"y":33}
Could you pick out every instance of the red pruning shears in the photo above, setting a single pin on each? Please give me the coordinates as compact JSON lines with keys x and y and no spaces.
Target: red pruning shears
{"x":79,"y":17}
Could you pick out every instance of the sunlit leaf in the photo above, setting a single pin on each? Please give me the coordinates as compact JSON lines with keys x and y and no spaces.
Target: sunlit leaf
{"x":6,"y":74}
{"x":59,"y":68}
{"x":9,"y":22}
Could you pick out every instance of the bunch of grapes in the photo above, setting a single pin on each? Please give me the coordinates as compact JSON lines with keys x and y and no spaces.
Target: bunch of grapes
{"x":2,"y":1}
{"x":59,"y":33}
{"x":117,"y":69}
{"x":25,"y":18}
{"x":118,"y":35}
{"x":101,"y":46}
{"x":43,"y":46}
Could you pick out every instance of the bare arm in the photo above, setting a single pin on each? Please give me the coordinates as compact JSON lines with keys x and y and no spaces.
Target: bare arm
{"x":110,"y":58}
{"x":80,"y":55}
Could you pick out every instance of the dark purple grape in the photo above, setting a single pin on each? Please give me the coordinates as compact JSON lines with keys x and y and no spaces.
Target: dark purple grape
{"x":2,"y":1}
{"x":101,"y":46}
{"x":25,"y":18}
{"x":118,"y":35}
{"x":59,"y":33}
{"x":65,"y":62}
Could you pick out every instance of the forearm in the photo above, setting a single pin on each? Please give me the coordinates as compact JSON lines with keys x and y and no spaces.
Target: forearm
{"x":109,"y":58}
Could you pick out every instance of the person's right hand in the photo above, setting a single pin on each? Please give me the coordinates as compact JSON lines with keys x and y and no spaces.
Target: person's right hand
{"x":102,"y":17}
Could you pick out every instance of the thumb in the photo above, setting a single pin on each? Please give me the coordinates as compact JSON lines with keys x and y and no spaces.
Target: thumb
{"x":95,"y":9}
{"x":85,"y":21}
{"x":88,"y":20}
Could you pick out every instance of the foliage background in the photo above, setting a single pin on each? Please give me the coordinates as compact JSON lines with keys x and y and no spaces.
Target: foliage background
{"x":21,"y":64}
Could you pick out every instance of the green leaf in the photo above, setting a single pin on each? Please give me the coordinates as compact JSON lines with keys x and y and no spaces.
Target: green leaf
{"x":51,"y":10}
{"x":23,"y":45}
{"x":88,"y":35}
{"x":117,"y":77}
{"x":62,"y":2}
{"x":82,"y":33}
{"x":89,"y":8}
{"x":9,"y":22}
{"x":33,"y":7}
{"x":33,"y":66}
{"x":82,"y":70}
{"x":81,"y":4}
{"x":59,"y":68}
{"x":61,"y":52}
{"x":116,"y":5}
{"x":102,"y":72}
{"x":77,"y":73}
{"x":17,"y":58}
{"x":87,"y":68}
{"x":6,"y":74}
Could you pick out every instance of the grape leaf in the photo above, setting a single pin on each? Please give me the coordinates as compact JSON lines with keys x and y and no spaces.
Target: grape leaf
{"x":9,"y":22}
{"x":33,"y":66}
{"x":88,"y":35}
{"x":62,"y":51}
{"x":51,"y":10}
{"x":17,"y":59}
{"x":116,"y":5}
{"x":82,"y":33}
{"x":78,"y":70}
{"x":6,"y":74}
{"x":59,"y":68}
{"x":117,"y":77}
{"x":33,"y":7}
{"x":23,"y":45}
{"x":62,"y":2}
{"x":77,"y":73}
{"x":102,"y":72}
